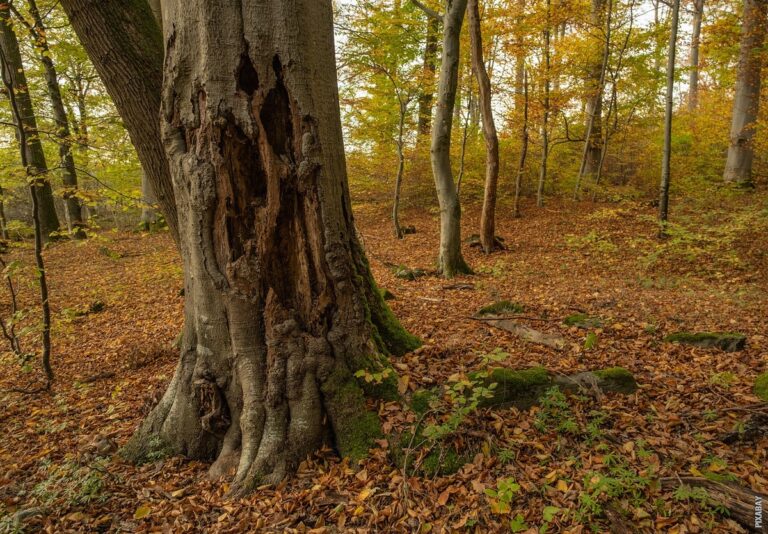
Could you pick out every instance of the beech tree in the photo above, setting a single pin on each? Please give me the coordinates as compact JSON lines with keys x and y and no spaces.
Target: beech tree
{"x":666,"y":162}
{"x":693,"y":60}
{"x":488,"y":217}
{"x":746,"y":103}
{"x":281,"y":309}
{"x":35,"y":157}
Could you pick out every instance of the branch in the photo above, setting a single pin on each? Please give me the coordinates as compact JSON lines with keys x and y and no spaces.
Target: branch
{"x":431,"y":13}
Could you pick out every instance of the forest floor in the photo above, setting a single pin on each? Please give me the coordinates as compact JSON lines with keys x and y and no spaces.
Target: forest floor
{"x":594,"y":465}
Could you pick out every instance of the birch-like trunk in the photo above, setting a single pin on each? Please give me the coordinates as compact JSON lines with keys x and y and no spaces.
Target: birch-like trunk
{"x":280,"y":306}
{"x":746,"y":103}
{"x":450,"y":260}
{"x":667,"y":155}
{"x":488,"y":217}
{"x":693,"y":60}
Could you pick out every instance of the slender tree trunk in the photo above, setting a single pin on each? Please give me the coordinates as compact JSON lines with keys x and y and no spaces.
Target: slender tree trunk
{"x":67,"y":161}
{"x":488,"y":217}
{"x":464,"y":138}
{"x":450,"y":261}
{"x":667,"y":156}
{"x":280,"y":306}
{"x":148,"y":199}
{"x":693,"y":77}
{"x":427,"y":95}
{"x":400,"y":168}
{"x":595,"y":85}
{"x":49,"y":221}
{"x":523,"y":147}
{"x":127,"y":41}
{"x":3,"y":220}
{"x":746,"y":103}
{"x":593,"y":139}
{"x":545,"y":121}
{"x":520,"y":71}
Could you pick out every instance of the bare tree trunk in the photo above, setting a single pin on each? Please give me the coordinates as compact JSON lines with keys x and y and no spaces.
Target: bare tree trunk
{"x":488,"y":217}
{"x":427,"y":95}
{"x":693,"y":77}
{"x":523,"y":146}
{"x":127,"y":41}
{"x":450,"y":261}
{"x":400,"y":168}
{"x":545,"y":122}
{"x":519,"y":56}
{"x":746,"y":103}
{"x":49,"y":221}
{"x":667,"y":156}
{"x":596,"y":80}
{"x":68,"y":172}
{"x":280,"y":306}
{"x":148,"y":200}
{"x":3,"y":220}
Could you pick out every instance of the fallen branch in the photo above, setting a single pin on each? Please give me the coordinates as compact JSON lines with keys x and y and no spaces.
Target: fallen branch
{"x":527,"y":333}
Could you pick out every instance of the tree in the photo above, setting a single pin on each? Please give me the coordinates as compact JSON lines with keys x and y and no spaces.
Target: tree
{"x":281,"y":309}
{"x":72,"y":205}
{"x":488,"y":217}
{"x":667,"y":155}
{"x":595,"y":84}
{"x":129,"y":63}
{"x":427,"y":96}
{"x":35,"y":157}
{"x":545,"y":117}
{"x":693,"y":77}
{"x":746,"y":103}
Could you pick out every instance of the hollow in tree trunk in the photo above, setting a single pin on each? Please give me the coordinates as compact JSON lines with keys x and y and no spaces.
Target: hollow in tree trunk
{"x":488,"y":217}
{"x":746,"y":103}
{"x":281,"y":309}
{"x":450,"y":261}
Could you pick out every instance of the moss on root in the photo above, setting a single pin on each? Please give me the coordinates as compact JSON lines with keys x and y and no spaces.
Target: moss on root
{"x":727,"y":341}
{"x":761,"y":387}
{"x":616,"y":379}
{"x":582,"y":320}
{"x":377,"y":378}
{"x":142,"y":449}
{"x":421,"y":399}
{"x":517,"y":387}
{"x":501,"y":307}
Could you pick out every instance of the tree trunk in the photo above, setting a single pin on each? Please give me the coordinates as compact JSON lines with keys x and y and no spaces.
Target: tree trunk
{"x":281,"y":309}
{"x":545,"y":121}
{"x":523,"y":146}
{"x":403,"y":110}
{"x":68,"y":172}
{"x":667,"y":156}
{"x":450,"y":261}
{"x":693,"y":77}
{"x":595,"y":84}
{"x":3,"y":221}
{"x":427,"y":95}
{"x":49,"y":221}
{"x":520,"y":71}
{"x":148,"y":199}
{"x":746,"y":103}
{"x":125,"y":44}
{"x":488,"y":217}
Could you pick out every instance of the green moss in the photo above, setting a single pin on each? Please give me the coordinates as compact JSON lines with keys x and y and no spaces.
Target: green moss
{"x":404,"y":273}
{"x":582,"y":320}
{"x":445,"y":461}
{"x":389,"y":334}
{"x":420,"y":400}
{"x":142,"y":449}
{"x":441,"y":459}
{"x":376,"y":376}
{"x":386,"y":294}
{"x":355,"y":428}
{"x":521,"y":388}
{"x":501,"y":307}
{"x":727,"y":341}
{"x":761,"y":387}
{"x":616,"y":379}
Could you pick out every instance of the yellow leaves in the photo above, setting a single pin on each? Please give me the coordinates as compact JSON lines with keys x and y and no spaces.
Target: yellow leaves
{"x":142,"y":511}
{"x":562,"y":485}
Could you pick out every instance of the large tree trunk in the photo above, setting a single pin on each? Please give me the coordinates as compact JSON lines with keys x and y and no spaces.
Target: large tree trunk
{"x":281,"y":309}
{"x":693,"y":60}
{"x":667,"y":155}
{"x":746,"y":103}
{"x":49,"y":221}
{"x":125,"y":44}
{"x":595,"y":82}
{"x":488,"y":217}
{"x":68,"y":171}
{"x":427,"y":94}
{"x":450,"y":261}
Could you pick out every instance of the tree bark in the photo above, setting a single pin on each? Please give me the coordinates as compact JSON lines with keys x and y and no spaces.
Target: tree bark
{"x":545,"y":120}
{"x":280,"y":306}
{"x":38,"y":168}
{"x":427,"y":96}
{"x":746,"y":103}
{"x":403,"y":110}
{"x":488,"y":217}
{"x":450,"y":261}
{"x":693,"y":77}
{"x":68,"y":172}
{"x":124,"y":41}
{"x":523,"y":146}
{"x":148,"y":199}
{"x":667,"y":156}
{"x":594,"y":108}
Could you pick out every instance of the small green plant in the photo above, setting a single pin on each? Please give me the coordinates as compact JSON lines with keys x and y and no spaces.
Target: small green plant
{"x":702,"y":498}
{"x":518,"y":524}
{"x":555,"y":413}
{"x":593,"y":241}
{"x":621,"y":482}
{"x":724,"y":380}
{"x":502,"y":497}
{"x":78,"y":484}
{"x":590,"y":342}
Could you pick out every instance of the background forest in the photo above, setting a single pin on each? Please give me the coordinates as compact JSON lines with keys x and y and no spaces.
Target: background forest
{"x":589,"y":201}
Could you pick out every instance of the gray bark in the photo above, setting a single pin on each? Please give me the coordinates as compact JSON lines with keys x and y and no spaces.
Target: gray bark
{"x":38,"y":167}
{"x":124,"y":41}
{"x":427,"y":96}
{"x":545,"y":119}
{"x":450,"y":260}
{"x":488,"y":217}
{"x":595,"y":84}
{"x":280,"y":306}
{"x":746,"y":103}
{"x":403,"y":110}
{"x":523,"y":146}
{"x":667,"y":156}
{"x":148,"y":199}
{"x":693,"y":61}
